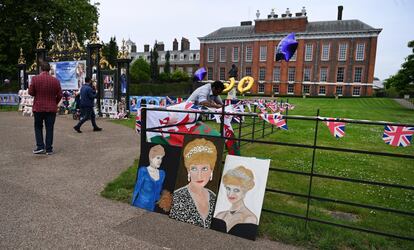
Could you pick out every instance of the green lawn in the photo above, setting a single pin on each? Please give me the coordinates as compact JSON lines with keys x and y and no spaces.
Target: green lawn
{"x":359,"y":166}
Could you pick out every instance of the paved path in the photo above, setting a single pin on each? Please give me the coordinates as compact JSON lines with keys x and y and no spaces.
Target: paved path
{"x":53,"y":202}
{"x":405,"y":103}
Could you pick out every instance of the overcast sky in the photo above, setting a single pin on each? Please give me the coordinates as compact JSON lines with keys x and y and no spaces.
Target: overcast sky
{"x":163,"y":20}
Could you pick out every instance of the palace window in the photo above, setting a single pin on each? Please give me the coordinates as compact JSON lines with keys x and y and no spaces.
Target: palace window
{"x":307,"y":74}
{"x":209,"y":73}
{"x":340,"y":74}
{"x":360,"y":52}
{"x":263,"y":53}
{"x":249,"y":54}
{"x":339,"y":90}
{"x":262,"y":74}
{"x":291,"y":89}
{"x":276,"y":88}
{"x":235,"y":54}
{"x":261,"y":88}
{"x":222,"y":74}
{"x":323,"y":76}
{"x":308,"y":52}
{"x":291,"y":74}
{"x":222,"y":54}
{"x":325,"y":52}
{"x":356,"y":91}
{"x":305,"y":89}
{"x":342,"y":51}
{"x":358,"y":74}
{"x":276,"y":74}
{"x":322,"y":90}
{"x":248,"y":71}
{"x":210,"y":54}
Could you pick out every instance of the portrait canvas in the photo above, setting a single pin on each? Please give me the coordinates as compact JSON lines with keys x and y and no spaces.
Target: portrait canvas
{"x":240,"y":197}
{"x":198,"y":178}
{"x":155,"y":179}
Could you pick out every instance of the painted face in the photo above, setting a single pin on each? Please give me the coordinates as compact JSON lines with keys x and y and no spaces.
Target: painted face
{"x":234,"y":193}
{"x":156,"y":161}
{"x":200,"y":174}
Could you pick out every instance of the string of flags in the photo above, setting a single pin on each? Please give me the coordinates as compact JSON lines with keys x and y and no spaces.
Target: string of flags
{"x":398,"y":136}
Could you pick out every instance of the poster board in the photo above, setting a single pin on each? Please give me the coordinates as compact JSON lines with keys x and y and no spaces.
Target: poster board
{"x":71,"y":74}
{"x":240,"y":197}
{"x":199,"y":172}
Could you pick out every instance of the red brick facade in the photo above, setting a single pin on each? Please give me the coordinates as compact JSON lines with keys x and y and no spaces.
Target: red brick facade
{"x":357,"y":74}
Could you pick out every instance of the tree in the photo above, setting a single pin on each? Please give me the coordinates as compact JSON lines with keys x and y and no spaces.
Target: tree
{"x":154,"y":63}
{"x":167,"y":66}
{"x":21,"y":22}
{"x":140,"y":71}
{"x":403,"y":81}
{"x":110,"y":51}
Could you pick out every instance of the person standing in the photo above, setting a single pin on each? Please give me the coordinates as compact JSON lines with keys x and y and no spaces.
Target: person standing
{"x":87,"y":96}
{"x":47,"y":94}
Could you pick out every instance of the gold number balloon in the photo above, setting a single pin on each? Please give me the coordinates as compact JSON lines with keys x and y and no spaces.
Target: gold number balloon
{"x":249,"y":85}
{"x":229,"y":86}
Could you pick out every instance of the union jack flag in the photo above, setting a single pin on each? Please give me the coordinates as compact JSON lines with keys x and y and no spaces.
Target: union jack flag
{"x":275,"y":119}
{"x":398,"y":136}
{"x":337,"y":129}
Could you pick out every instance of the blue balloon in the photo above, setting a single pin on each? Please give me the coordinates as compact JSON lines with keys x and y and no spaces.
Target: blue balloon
{"x":200,"y":74}
{"x":286,"y":48}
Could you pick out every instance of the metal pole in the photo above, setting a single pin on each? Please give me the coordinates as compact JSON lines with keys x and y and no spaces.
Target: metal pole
{"x":312,"y":168}
{"x":143,"y":126}
{"x":254,"y":123}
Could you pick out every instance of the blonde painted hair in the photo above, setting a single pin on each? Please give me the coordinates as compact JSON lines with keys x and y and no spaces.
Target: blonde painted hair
{"x":239,"y":176}
{"x":200,"y":151}
{"x":156,"y":150}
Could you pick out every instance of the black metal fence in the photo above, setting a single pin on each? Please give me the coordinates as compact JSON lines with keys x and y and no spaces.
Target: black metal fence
{"x":259,"y":131}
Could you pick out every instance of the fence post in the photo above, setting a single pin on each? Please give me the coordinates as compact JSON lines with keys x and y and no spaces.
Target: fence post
{"x":312,"y":168}
{"x":254,"y":122}
{"x":143,"y":126}
{"x":240,"y":127}
{"x":222,"y":122}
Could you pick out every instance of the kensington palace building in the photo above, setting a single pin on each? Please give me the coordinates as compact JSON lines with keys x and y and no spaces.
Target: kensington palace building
{"x":333,"y":58}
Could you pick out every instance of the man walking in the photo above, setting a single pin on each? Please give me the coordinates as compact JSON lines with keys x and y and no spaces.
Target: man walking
{"x":47,"y":93}
{"x":87,"y":96}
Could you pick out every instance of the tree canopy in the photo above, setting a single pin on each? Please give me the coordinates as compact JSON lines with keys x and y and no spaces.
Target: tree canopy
{"x":110,"y":51}
{"x":140,"y":71}
{"x":21,"y":21}
{"x":403,"y":81}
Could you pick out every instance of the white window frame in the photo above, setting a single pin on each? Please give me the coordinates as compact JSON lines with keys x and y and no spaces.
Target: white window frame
{"x":210,"y":55}
{"x":261,"y":88}
{"x":222,"y":54}
{"x":360,"y":74}
{"x":262,"y":72}
{"x":326,"y":49}
{"x":198,"y":56}
{"x":191,"y":57}
{"x":354,"y":91}
{"x":276,"y":69}
{"x":360,"y":52}
{"x":305,"y":70}
{"x":181,"y":57}
{"x":321,"y":87}
{"x":222,"y":72}
{"x":210,"y":73}
{"x":291,"y":86}
{"x":263,"y":53}
{"x":307,"y":86}
{"x":308,"y":52}
{"x":235,"y":56}
{"x":343,"y":74}
{"x":326,"y":74}
{"x":249,"y":54}
{"x":246,"y":73}
{"x":289,"y":74}
{"x":276,"y":86}
{"x":342,"y":51}
{"x":341,"y":88}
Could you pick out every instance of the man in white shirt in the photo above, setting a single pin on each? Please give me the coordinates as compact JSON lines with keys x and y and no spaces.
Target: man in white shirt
{"x":208,"y":95}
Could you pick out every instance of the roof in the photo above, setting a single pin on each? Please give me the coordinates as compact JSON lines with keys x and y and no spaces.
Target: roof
{"x":312,"y":27}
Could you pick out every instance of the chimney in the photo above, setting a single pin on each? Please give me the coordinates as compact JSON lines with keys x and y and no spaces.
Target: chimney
{"x":160,"y":46}
{"x":340,"y":9}
{"x":175,"y":44}
{"x":185,"y":44}
{"x":146,"y":47}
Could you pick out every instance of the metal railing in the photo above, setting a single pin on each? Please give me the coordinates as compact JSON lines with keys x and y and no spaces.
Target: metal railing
{"x":251,"y":138}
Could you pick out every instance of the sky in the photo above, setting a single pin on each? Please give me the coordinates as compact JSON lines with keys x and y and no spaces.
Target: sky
{"x":163,"y":20}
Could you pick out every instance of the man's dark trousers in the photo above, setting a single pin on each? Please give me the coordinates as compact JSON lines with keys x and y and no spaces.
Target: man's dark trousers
{"x":86,"y":114}
{"x":49,"y":119}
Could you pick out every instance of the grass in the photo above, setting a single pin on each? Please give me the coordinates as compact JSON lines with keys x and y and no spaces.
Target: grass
{"x":7,"y":108}
{"x":358,"y":166}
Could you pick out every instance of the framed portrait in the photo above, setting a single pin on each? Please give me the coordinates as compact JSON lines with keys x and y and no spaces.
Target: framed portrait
{"x":156,"y":175}
{"x":198,"y":178}
{"x":240,"y":197}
